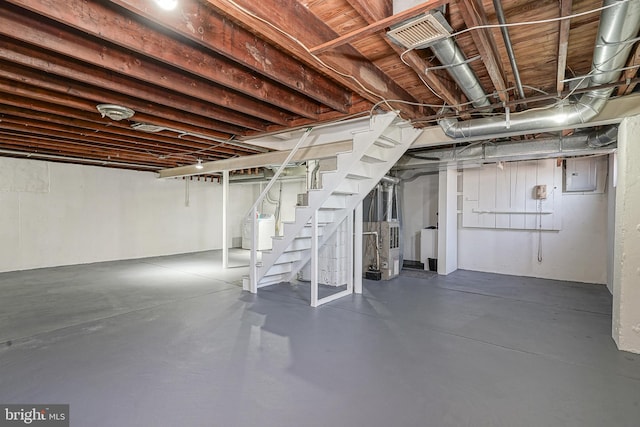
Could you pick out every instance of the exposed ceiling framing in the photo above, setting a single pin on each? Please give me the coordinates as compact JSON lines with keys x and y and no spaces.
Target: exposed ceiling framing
{"x":211,"y":74}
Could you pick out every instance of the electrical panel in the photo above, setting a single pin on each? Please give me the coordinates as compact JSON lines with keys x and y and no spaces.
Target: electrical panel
{"x":580,"y":174}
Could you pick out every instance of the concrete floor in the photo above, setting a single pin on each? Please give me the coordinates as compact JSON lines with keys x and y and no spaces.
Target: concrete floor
{"x":173,"y":341}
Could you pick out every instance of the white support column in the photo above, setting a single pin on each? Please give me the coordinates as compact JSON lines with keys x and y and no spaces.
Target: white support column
{"x":357,"y":249}
{"x":350,"y":268}
{"x":448,"y":221}
{"x":626,"y":268}
{"x":253,"y":264}
{"x":314,"y":259}
{"x":225,"y":210}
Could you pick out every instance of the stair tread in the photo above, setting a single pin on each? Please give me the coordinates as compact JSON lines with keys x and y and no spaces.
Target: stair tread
{"x":320,"y":223}
{"x":356,"y":171}
{"x":370,"y":158}
{"x":359,"y":176}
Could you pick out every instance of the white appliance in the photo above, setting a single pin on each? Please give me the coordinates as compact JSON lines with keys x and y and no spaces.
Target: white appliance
{"x":266,"y":229}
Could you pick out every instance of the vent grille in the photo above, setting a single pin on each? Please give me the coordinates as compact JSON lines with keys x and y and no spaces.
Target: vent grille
{"x":419,"y":32}
{"x":146,"y":127}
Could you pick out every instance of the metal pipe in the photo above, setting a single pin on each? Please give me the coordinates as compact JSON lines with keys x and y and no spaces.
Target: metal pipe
{"x":618,"y":23}
{"x":388,"y":215}
{"x":375,"y":233}
{"x":497,"y":4}
{"x":390,"y":179}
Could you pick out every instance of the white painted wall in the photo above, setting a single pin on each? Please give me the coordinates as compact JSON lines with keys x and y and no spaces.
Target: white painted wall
{"x":420,"y":207}
{"x":578,"y":252}
{"x":290,"y":191}
{"x":72,"y":214}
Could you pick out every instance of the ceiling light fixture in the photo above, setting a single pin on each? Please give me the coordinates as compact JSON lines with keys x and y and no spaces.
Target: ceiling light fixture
{"x":167,"y":4}
{"x":199,"y":164}
{"x":115,"y":112}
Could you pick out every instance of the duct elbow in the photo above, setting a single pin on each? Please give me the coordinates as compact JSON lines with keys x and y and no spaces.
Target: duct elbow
{"x":450,"y":127}
{"x":617,"y":25}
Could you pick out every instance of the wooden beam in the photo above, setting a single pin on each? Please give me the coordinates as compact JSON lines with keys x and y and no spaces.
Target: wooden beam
{"x":379,"y":25}
{"x":220,"y":118}
{"x":95,"y":18}
{"x":563,"y":42}
{"x":145,"y":112}
{"x":114,"y":132}
{"x":445,"y":89}
{"x":26,"y":92}
{"x":237,"y":44}
{"x":633,"y":61}
{"x":258,"y":160}
{"x":23,"y":27}
{"x":345,"y":64}
{"x":43,"y":129}
{"x":372,"y":10}
{"x":48,"y":145}
{"x":474,"y":15}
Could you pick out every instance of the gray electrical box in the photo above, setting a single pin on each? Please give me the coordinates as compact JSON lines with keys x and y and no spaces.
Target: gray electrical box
{"x":580,"y":174}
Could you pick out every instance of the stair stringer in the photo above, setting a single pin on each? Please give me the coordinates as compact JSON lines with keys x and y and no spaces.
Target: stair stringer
{"x":409,"y":134}
{"x":362,"y":140}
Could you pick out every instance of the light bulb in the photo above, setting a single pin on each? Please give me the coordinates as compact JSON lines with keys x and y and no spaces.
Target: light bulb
{"x":199,"y":164}
{"x":167,"y":4}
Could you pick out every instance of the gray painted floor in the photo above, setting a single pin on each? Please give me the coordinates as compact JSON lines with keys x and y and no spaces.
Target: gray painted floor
{"x":173,"y":341}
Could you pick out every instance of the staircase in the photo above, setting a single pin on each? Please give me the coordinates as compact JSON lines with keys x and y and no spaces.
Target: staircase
{"x":376,"y":148}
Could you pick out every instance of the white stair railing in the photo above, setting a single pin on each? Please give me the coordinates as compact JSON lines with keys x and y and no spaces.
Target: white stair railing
{"x":253,"y":212}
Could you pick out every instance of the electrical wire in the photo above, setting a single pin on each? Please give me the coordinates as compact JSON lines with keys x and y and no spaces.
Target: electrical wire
{"x":424,"y":82}
{"x":540,"y":231}
{"x":308,"y":50}
{"x":592,"y":71}
{"x":537,"y":22}
{"x":386,"y":101}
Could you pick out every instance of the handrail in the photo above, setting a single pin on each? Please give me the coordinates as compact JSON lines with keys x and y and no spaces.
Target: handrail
{"x":279,"y":171}
{"x":253,"y":267}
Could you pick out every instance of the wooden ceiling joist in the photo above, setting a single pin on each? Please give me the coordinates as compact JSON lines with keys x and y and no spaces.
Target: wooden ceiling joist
{"x":201,"y":25}
{"x":107,"y":57}
{"x":353,"y":70}
{"x":119,"y":133}
{"x":211,"y":75}
{"x":379,"y":25}
{"x":474,"y":15}
{"x":14,"y":87}
{"x":445,"y":89}
{"x":90,"y":93}
{"x":627,"y":75}
{"x":563,"y":42}
{"x":76,"y":150}
{"x":221,"y":119}
{"x":141,"y":39}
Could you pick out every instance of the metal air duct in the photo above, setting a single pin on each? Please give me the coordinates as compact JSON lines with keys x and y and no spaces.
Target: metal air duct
{"x":618,"y":24}
{"x":603,"y":137}
{"x":433,"y":31}
{"x":449,"y":54}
